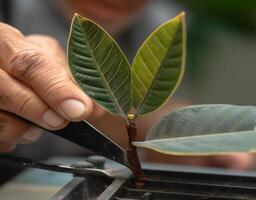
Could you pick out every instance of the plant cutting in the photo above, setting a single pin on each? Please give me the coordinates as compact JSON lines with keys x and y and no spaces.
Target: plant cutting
{"x":103,"y":72}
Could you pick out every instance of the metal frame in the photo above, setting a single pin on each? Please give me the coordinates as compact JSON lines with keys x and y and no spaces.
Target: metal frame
{"x":163,"y":185}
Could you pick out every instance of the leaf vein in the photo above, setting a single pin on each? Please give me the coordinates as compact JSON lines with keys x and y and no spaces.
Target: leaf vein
{"x":102,"y":75}
{"x":102,"y":39}
{"x":146,"y":66}
{"x":120,"y":86}
{"x":161,"y":43}
{"x":141,"y":82}
{"x":153,"y":55}
{"x":94,"y":35}
{"x":116,"y":71}
{"x":107,"y":56}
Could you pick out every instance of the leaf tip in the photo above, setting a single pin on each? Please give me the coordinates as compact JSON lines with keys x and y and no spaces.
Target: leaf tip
{"x":182,"y":14}
{"x":77,"y":16}
{"x":180,"y":17}
{"x":80,"y":17}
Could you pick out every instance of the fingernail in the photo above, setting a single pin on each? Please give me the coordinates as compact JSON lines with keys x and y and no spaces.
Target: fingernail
{"x":52,"y":119}
{"x":73,"y":108}
{"x":32,"y":134}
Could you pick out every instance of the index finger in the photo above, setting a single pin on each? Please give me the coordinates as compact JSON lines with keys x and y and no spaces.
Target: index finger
{"x":32,"y":66}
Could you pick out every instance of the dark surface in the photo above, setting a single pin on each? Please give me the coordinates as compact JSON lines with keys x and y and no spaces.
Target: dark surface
{"x":164,"y":182}
{"x":165,"y":185}
{"x":74,"y":168}
{"x":8,"y":171}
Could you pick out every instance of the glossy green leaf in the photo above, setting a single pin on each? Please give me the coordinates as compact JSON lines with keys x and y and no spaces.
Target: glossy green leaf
{"x":159,"y":65}
{"x":99,"y":66}
{"x":204,"y":130}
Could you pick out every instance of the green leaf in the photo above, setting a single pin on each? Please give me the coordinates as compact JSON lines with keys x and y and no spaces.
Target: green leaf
{"x":159,"y":65}
{"x":204,"y":130}
{"x":99,"y":66}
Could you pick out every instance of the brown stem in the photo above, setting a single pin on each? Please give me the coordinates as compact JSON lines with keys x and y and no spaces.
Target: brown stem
{"x":132,"y":155}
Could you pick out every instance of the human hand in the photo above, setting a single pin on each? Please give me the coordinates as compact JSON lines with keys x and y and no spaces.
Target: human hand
{"x":37,"y":86}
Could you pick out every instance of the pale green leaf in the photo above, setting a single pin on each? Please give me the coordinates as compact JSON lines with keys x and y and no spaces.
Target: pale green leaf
{"x":204,"y":130}
{"x":99,"y":66}
{"x":159,"y":65}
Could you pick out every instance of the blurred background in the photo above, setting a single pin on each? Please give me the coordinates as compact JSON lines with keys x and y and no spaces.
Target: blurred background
{"x":221,"y":51}
{"x":221,"y":55}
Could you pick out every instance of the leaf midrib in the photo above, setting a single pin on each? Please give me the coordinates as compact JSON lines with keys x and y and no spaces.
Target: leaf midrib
{"x":100,"y":72}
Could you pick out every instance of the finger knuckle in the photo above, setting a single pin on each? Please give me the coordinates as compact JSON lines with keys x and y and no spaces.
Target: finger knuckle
{"x":6,"y":29}
{"x":25,"y":102}
{"x":7,"y":47}
{"x":25,"y":62}
{"x":56,"y":87}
